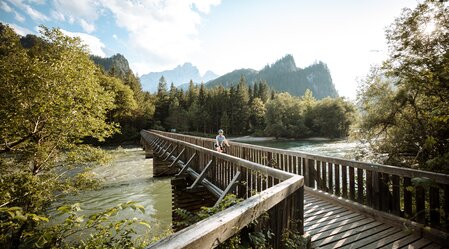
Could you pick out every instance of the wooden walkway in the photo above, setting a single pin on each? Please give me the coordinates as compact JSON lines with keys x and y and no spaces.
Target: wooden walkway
{"x":332,"y":226}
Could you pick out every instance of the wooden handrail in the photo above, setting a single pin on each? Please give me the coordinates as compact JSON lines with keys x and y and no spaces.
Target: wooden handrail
{"x":375,"y":167}
{"x":266,"y":189}
{"x":386,"y":188}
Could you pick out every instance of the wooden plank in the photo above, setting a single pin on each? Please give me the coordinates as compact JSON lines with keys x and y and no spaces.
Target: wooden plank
{"x":337,"y":179}
{"x":434,"y":204}
{"x":369,"y":188}
{"x":396,"y":201}
{"x":344,"y":181}
{"x":335,"y":213}
{"x":317,"y":211}
{"x":384,"y":192}
{"x":331,"y":242}
{"x":351,"y":183}
{"x":360,"y":186}
{"x":387,"y":240}
{"x":211,"y":231}
{"x":420,"y":204}
{"x":393,"y":170}
{"x":433,"y":246}
{"x":402,"y":242}
{"x":331,"y":178}
{"x":324,"y":177}
{"x":376,"y":190}
{"x":312,"y":177}
{"x":344,"y":218}
{"x":347,"y":227}
{"x":446,"y":205}
{"x":370,"y":238}
{"x":419,"y":244}
{"x":318,"y":175}
{"x":338,"y":227}
{"x":407,"y":184}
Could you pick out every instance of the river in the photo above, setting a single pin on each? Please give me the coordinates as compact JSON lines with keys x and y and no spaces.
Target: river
{"x":129,"y":177}
{"x":346,"y":149}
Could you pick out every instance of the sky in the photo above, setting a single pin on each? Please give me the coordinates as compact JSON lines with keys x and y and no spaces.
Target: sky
{"x":222,"y":35}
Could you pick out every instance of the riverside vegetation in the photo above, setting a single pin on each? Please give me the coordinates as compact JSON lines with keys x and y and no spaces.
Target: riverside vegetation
{"x":56,"y":103}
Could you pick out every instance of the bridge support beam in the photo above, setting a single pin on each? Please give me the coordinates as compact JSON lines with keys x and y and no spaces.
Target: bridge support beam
{"x":191,"y":200}
{"x":162,"y":167}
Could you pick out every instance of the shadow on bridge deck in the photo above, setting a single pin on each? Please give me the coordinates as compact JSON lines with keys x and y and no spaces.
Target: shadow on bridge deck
{"x":332,"y":226}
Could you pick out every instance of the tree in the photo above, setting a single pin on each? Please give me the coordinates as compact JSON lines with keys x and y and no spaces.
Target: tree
{"x":257,"y":114}
{"x":52,"y":99}
{"x":284,"y":117}
{"x":330,"y":118}
{"x":405,"y":101}
{"x":162,"y":104}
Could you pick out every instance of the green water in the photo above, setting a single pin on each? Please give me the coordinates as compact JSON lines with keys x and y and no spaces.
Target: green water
{"x":129,"y":178}
{"x":334,"y":148}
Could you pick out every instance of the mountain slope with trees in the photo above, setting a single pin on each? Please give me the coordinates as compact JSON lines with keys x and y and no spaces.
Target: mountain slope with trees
{"x":284,"y":76}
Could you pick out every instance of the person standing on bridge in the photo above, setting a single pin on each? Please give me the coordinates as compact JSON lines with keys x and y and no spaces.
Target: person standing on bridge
{"x":220,"y":141}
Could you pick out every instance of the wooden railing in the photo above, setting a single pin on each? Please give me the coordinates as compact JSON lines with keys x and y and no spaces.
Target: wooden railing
{"x":264,"y":189}
{"x":419,"y":196}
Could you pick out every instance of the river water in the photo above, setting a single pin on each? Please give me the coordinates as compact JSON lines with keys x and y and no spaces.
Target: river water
{"x":335,"y":148}
{"x":129,"y":178}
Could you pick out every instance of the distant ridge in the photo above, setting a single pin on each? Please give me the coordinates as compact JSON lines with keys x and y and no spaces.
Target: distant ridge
{"x":284,"y":76}
{"x":180,"y":75}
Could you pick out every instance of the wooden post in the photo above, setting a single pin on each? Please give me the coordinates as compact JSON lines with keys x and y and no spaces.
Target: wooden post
{"x":344,"y":180}
{"x":434,"y":200}
{"x":396,"y":201}
{"x":331,"y":178}
{"x":312,"y":173}
{"x":351,"y":183}
{"x":360,"y":186}
{"x":420,"y":204}
{"x":407,"y":197}
{"x":337,"y":179}
{"x":369,"y":188}
{"x":162,"y":168}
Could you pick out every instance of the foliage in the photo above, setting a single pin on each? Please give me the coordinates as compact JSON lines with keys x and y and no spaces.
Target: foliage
{"x":248,"y":237}
{"x":405,"y":102}
{"x":53,"y":99}
{"x":243,"y":110}
{"x":98,"y":230}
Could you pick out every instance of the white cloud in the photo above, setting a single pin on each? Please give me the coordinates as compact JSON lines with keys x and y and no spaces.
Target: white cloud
{"x":83,"y":9}
{"x":58,"y":16}
{"x":35,"y":14}
{"x":4,"y":6}
{"x":114,"y":36}
{"x":88,"y":27}
{"x":160,"y":32}
{"x":164,"y":32}
{"x":20,"y":30}
{"x":204,"y":5}
{"x":19,"y":17}
{"x":94,"y":44}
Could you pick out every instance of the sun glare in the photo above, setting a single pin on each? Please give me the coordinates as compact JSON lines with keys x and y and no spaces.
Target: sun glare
{"x":429,"y":28}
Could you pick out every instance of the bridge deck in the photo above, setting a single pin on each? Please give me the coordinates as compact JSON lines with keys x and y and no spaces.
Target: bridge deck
{"x":334,"y":226}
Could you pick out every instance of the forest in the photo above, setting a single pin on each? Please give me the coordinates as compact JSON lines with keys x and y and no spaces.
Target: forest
{"x":58,"y":104}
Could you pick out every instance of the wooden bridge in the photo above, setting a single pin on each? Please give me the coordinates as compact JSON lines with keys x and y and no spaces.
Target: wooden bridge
{"x":327,"y":202}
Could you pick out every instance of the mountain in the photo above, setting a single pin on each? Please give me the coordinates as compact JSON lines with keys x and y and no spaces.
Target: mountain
{"x":179,"y":76}
{"x":116,"y":62}
{"x":284,"y":76}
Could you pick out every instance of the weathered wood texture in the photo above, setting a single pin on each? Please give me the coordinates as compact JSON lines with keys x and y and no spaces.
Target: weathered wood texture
{"x":382,"y":187}
{"x":332,"y":226}
{"x":263,"y":189}
{"x":190,"y":200}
